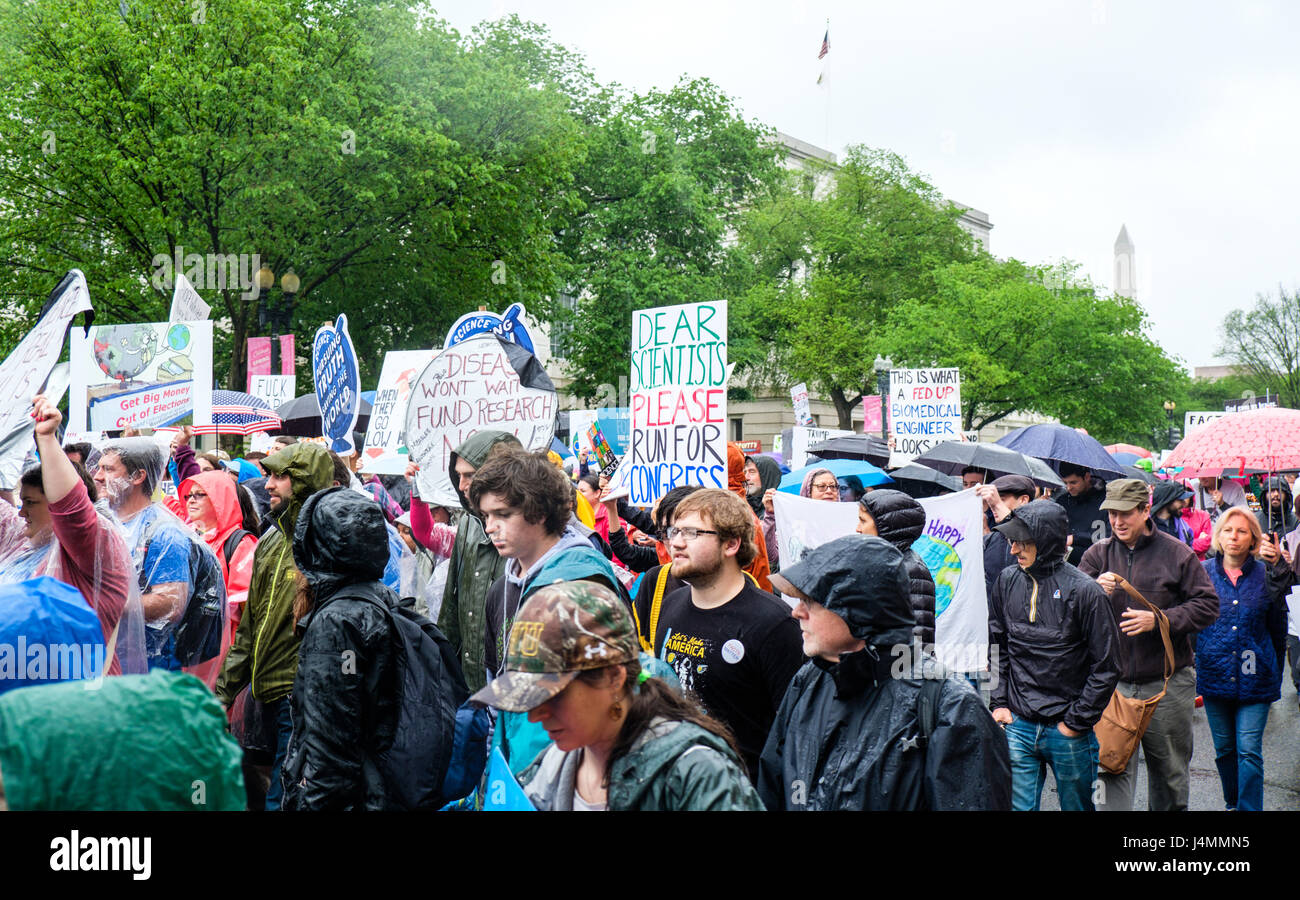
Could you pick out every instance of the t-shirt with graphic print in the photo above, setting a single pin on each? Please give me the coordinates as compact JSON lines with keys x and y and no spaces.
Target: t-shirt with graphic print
{"x":738,"y":658}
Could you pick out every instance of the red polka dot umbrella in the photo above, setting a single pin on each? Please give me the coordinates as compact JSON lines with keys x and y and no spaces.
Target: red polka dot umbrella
{"x":1265,"y":439}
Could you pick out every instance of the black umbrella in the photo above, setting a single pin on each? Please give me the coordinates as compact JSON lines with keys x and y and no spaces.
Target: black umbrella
{"x":953,"y":456}
{"x":922,"y":481}
{"x":1135,"y":472}
{"x":874,"y":450}
{"x":301,"y":416}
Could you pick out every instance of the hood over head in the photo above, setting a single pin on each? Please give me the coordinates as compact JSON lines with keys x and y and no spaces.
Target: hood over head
{"x":341,"y":538}
{"x":899,"y":519}
{"x":225,"y":502}
{"x":861,"y":579}
{"x":1166,"y":492}
{"x":309,"y":468}
{"x":475,"y":450}
{"x":769,"y":479}
{"x":1046,"y":523}
{"x":1278,"y":483}
{"x":805,"y":489}
{"x":736,"y":469}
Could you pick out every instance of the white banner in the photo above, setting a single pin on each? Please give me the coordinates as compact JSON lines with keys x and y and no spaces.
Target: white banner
{"x":952,"y":546}
{"x":276,"y":390}
{"x":803,"y":523}
{"x":924,"y":410}
{"x":1193,"y":420}
{"x":145,"y":374}
{"x":468,"y":388}
{"x":579,"y":421}
{"x":187,"y":305}
{"x":802,"y":438}
{"x":385,"y":450}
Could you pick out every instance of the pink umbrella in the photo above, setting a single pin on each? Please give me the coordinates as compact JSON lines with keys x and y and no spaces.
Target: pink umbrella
{"x":1112,"y":449}
{"x":1264,"y":439}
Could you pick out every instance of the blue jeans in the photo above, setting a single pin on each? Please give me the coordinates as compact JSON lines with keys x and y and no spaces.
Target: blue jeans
{"x":1034,"y":747}
{"x":281,"y":712}
{"x":1238,"y":732}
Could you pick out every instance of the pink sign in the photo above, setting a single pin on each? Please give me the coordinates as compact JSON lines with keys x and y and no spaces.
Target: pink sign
{"x":871,"y":414}
{"x":259,"y":356}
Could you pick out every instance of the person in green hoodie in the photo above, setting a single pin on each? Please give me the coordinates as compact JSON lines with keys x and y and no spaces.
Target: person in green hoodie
{"x":475,"y":562}
{"x":265,"y":651}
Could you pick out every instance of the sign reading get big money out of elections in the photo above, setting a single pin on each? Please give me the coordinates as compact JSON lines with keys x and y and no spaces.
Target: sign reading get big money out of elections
{"x":924,"y":411}
{"x":679,"y":401}
{"x":481,"y":383}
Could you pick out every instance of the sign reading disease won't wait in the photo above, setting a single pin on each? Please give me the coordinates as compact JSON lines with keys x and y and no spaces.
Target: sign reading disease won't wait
{"x":678,"y":401}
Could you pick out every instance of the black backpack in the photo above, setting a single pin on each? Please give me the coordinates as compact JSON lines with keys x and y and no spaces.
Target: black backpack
{"x":198,"y":636}
{"x":431,"y":690}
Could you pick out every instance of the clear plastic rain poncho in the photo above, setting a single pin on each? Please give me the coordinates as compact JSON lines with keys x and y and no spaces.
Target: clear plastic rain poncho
{"x":175,"y":567}
{"x":86,"y":548}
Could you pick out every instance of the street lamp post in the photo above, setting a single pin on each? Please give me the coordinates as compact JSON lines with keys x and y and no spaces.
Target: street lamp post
{"x":1172,"y":437}
{"x":277,"y":314}
{"x":883,"y":364}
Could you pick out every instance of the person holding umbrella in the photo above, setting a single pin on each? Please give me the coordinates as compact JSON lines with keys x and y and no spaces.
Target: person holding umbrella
{"x":1082,"y":499}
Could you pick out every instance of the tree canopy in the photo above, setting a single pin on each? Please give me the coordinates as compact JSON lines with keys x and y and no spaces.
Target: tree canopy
{"x":1265,"y":342}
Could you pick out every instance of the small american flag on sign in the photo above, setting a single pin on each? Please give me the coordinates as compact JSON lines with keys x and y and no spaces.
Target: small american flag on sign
{"x":826,"y":44}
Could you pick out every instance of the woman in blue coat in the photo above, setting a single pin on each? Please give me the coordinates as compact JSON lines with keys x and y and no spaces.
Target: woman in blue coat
{"x":1239,"y":657}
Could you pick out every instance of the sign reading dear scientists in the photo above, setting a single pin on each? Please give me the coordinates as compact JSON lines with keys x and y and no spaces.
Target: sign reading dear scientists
{"x":679,"y":401}
{"x":924,"y":410}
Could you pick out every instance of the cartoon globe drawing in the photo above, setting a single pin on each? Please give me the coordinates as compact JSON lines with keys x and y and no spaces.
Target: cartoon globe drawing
{"x":178,"y":336}
{"x":944,"y":564}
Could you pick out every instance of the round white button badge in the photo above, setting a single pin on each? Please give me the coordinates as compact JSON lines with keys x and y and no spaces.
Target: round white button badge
{"x":733,"y":651}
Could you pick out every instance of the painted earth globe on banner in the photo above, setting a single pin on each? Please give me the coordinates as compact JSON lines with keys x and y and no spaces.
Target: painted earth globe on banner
{"x":178,"y":336}
{"x":944,"y":563}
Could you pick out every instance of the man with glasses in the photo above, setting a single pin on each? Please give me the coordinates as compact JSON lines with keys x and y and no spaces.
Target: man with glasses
{"x":731,"y":643}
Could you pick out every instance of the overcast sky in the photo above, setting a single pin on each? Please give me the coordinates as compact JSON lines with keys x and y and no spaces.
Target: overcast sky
{"x":1061,"y":119}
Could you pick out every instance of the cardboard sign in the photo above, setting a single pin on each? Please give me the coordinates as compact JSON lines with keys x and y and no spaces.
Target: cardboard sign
{"x":147,"y":374}
{"x":509,"y":326}
{"x":337,"y":379}
{"x":679,"y":401}
{"x":187,"y":305}
{"x":1194,"y":420}
{"x":799,"y":396}
{"x":803,"y":438}
{"x":924,"y":410}
{"x":276,"y":390}
{"x":469,"y":387}
{"x":385,"y":452}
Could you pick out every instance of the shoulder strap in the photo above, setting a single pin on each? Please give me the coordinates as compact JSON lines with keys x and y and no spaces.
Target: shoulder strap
{"x":232,"y":543}
{"x":1162,"y":622}
{"x":657,"y":603}
{"x":927,"y":707}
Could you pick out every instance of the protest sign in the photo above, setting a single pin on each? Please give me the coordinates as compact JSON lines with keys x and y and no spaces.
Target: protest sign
{"x":337,"y":379}
{"x":802,"y":438}
{"x":25,"y":370}
{"x":799,"y":396}
{"x":924,"y":410}
{"x":385,"y":451}
{"x":871,"y":415}
{"x":1250,"y":401}
{"x":1194,"y":420}
{"x":18,"y":442}
{"x":259,"y":356}
{"x":276,"y":390}
{"x":952,"y":546}
{"x":146,"y":374}
{"x":803,"y":523}
{"x":579,"y":421}
{"x":616,"y":424}
{"x":187,"y":305}
{"x":482,"y":383}
{"x":679,"y":401}
{"x":509,"y":326}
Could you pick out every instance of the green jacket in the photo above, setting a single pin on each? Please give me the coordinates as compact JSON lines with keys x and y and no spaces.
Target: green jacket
{"x":474,"y":565}
{"x":265,"y":651}
{"x":672,"y":766}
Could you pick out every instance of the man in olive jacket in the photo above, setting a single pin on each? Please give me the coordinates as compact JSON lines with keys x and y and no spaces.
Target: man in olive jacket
{"x":474,"y":564}
{"x":265,"y":650}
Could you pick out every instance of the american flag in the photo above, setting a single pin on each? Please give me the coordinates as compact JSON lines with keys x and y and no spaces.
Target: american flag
{"x":237,"y":413}
{"x":826,"y":44}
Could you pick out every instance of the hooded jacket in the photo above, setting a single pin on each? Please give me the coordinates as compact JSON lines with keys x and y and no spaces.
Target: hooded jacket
{"x":900,"y":520}
{"x":1281,"y":521}
{"x":672,"y":767}
{"x":1087,"y":518}
{"x":342,"y":718}
{"x":265,"y":651}
{"x":847,"y":735}
{"x":760,"y":568}
{"x":1161,"y":496}
{"x":474,"y":566}
{"x":1053,"y":630}
{"x":1169,"y":575}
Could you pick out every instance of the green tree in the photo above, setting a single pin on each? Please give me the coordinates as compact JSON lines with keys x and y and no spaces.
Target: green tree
{"x":1265,"y":342}
{"x":405,"y":178}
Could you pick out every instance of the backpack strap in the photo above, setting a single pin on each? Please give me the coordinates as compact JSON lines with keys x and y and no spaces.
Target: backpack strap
{"x":232,"y":544}
{"x":657,"y":603}
{"x":927,"y":707}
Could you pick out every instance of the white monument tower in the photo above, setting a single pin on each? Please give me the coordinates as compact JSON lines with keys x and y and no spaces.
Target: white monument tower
{"x":1125,"y":284}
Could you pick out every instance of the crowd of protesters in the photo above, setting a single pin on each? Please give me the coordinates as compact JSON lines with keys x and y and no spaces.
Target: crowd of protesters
{"x":362,"y":647}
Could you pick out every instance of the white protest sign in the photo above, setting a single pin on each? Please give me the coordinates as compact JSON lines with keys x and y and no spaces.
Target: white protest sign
{"x":276,"y":390}
{"x":385,"y":450}
{"x":799,"y":396}
{"x":952,"y":547}
{"x":465,"y":389}
{"x":803,"y":523}
{"x":187,"y":305}
{"x":146,"y":374}
{"x":924,"y":410}
{"x":802,"y":438}
{"x":679,"y":401}
{"x":1194,"y":420}
{"x":579,"y":421}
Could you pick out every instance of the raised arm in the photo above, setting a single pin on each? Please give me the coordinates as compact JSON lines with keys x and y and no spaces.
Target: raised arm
{"x":58,"y":475}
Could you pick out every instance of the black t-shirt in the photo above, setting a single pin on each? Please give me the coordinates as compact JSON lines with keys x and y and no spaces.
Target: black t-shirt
{"x":737,"y":658}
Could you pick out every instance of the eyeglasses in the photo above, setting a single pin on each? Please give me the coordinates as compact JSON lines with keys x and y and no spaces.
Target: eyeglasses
{"x":826,"y":486}
{"x":196,"y":495}
{"x":687,"y":534}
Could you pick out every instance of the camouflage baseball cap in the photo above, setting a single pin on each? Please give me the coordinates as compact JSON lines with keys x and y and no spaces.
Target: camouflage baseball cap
{"x":562,"y":630}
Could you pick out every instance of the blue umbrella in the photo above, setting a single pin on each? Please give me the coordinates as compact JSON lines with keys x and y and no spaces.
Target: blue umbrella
{"x":1062,"y":444}
{"x":869,"y":475}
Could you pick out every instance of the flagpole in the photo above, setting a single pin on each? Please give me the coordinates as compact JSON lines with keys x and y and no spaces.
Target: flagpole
{"x":826,"y":68}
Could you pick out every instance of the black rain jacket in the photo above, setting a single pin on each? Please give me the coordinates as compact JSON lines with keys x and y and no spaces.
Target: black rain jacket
{"x":847,"y":734}
{"x":1087,"y":518}
{"x":1053,"y":632}
{"x":900,"y":520}
{"x":345,"y":693}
